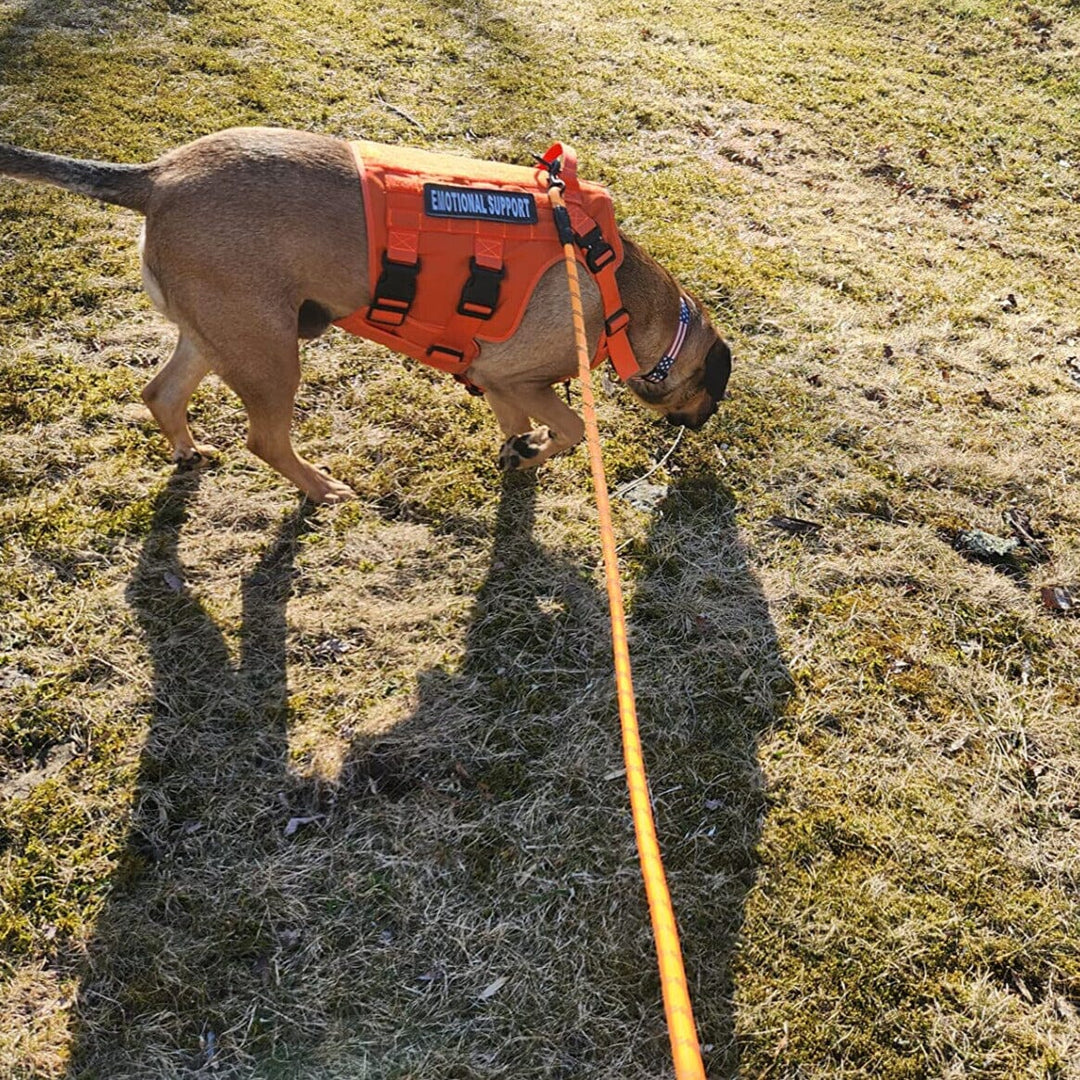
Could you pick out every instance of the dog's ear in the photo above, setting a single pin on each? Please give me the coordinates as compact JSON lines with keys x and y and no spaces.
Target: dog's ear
{"x":717,"y":369}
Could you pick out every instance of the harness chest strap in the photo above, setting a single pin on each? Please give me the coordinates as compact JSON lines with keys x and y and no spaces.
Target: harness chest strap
{"x":615,"y":340}
{"x":477,"y":305}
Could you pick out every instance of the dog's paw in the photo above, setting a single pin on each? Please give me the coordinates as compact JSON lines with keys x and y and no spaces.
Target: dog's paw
{"x":329,"y":491}
{"x":197,"y":457}
{"x":521,"y":451}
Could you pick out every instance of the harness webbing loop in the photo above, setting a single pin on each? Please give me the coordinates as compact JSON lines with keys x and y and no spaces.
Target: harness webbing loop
{"x":685,"y":1047}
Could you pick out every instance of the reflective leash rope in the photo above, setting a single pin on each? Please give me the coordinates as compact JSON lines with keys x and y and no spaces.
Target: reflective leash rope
{"x":685,"y":1047}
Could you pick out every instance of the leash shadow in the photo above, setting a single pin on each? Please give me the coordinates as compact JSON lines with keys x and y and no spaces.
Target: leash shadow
{"x":705,"y":701}
{"x":505,"y":789}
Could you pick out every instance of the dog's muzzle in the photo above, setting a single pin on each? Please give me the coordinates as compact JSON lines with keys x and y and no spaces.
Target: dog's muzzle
{"x":717,"y":372}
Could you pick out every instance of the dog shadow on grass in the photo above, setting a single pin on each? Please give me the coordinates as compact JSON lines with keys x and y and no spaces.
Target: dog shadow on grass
{"x":465,"y":901}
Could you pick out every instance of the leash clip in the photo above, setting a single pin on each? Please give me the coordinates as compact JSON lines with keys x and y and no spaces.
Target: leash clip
{"x":553,"y":167}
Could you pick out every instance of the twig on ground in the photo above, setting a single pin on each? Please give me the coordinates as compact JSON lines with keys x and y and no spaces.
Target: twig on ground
{"x":402,"y":113}
{"x":659,"y":465}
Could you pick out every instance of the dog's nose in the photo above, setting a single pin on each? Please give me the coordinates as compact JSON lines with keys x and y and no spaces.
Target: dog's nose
{"x":691,"y":422}
{"x":694,"y":423}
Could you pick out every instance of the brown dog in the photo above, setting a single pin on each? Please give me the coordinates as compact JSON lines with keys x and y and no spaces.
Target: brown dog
{"x":253,"y":240}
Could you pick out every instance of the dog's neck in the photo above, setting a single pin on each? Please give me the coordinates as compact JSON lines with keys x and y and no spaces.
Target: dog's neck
{"x":651,"y":296}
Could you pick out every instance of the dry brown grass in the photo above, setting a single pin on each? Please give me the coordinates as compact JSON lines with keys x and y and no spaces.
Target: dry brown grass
{"x":345,"y":797}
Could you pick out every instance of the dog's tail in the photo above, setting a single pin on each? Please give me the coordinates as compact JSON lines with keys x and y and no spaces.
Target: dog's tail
{"x":121,"y":185}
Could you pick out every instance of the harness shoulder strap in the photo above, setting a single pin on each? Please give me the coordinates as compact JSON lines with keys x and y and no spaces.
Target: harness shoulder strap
{"x":615,"y":341}
{"x":600,"y":256}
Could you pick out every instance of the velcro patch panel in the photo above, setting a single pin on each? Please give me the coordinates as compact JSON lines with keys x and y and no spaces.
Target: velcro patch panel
{"x":481,"y":204}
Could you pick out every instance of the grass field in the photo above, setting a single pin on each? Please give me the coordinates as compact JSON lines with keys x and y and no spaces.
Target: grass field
{"x":334,"y":793}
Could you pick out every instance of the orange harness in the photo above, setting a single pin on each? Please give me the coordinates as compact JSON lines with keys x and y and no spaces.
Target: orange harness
{"x":456,"y":248}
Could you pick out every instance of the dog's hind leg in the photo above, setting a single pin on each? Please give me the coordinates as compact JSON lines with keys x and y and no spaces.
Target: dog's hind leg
{"x":167,"y":395}
{"x":267,"y":379}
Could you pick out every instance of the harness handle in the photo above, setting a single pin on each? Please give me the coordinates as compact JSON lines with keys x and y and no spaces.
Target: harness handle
{"x":560,"y":163}
{"x":685,"y":1046}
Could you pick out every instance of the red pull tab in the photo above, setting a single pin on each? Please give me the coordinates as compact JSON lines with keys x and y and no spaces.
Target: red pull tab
{"x":568,"y":166}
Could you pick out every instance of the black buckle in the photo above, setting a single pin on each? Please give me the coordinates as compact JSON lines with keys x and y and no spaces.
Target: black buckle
{"x":480,"y":295}
{"x":553,"y":167}
{"x":616,"y":321}
{"x":598,"y":252}
{"x":394,"y":292}
{"x":441,"y":352}
{"x":470,"y":387}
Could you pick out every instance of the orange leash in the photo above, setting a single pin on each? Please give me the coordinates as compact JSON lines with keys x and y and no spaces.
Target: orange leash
{"x":685,"y":1047}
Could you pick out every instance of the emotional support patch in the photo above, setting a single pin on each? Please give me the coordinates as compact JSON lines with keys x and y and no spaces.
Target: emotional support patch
{"x":482,"y":204}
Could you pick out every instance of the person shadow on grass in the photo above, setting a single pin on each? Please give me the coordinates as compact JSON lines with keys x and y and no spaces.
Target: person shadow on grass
{"x":508,"y":929}
{"x":210,"y":785}
{"x":467,"y":902}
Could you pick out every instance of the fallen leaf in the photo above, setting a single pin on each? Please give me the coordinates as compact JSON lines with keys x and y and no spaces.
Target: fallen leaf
{"x":798,"y":526}
{"x":1019,"y":521}
{"x":493,"y":988}
{"x":331,"y":650}
{"x":298,"y":822}
{"x":1057,"y":598}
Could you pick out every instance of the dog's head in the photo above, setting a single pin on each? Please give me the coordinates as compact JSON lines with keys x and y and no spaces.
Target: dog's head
{"x":694,"y":387}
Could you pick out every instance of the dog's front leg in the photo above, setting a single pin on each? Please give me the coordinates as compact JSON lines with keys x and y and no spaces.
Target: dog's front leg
{"x":512,"y":418}
{"x":560,"y":427}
